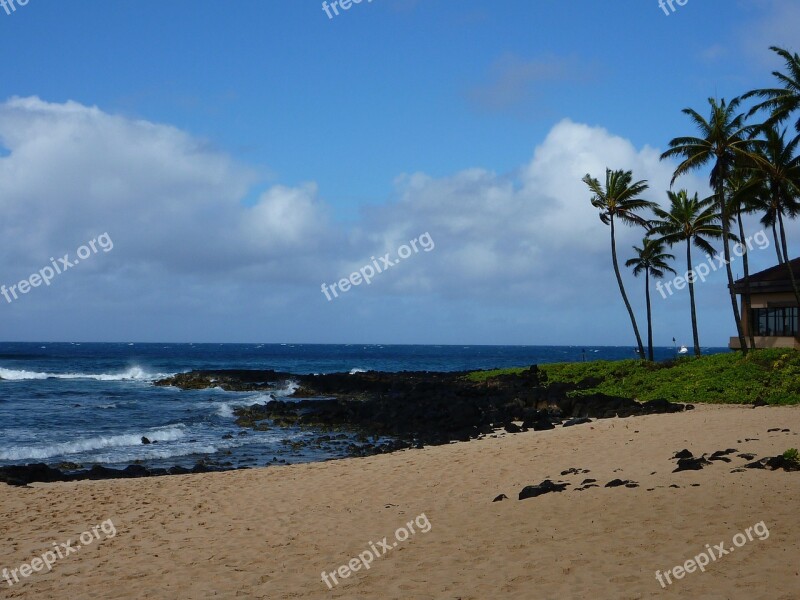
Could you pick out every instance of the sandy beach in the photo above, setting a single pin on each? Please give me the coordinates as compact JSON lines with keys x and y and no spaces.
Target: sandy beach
{"x":270,"y":533}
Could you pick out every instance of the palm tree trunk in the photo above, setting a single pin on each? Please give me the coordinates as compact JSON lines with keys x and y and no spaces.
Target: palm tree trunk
{"x":727,"y":255}
{"x":649,"y":316}
{"x":746,"y":297}
{"x":622,"y":289}
{"x":788,"y":260}
{"x":695,"y":336}
{"x":784,"y":248}
{"x":777,"y":243}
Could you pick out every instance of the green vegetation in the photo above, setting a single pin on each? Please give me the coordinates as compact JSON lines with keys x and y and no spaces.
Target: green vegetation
{"x":792,"y":456}
{"x":481,"y":376}
{"x":772,"y":376}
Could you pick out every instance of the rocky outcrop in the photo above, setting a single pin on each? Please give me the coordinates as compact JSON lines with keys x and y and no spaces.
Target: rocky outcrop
{"x":421,"y":407}
{"x":546,"y":487}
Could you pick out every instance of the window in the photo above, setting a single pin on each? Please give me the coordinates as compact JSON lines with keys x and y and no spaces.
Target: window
{"x":775,"y":321}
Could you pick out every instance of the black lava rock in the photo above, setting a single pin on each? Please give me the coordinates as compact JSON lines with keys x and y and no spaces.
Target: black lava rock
{"x":547,"y":486}
{"x":691,"y":464}
{"x":426,"y":407}
{"x":775,"y":463}
{"x":620,"y":482}
{"x":722,"y":455}
{"x":22,"y":475}
{"x":575,"y":471}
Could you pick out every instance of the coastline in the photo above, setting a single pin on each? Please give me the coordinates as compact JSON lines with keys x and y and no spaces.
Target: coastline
{"x":269,"y":533}
{"x":366,"y":413}
{"x":87,"y":404}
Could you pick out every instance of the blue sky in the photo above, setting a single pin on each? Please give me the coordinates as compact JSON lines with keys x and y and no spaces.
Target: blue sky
{"x":242,"y":154}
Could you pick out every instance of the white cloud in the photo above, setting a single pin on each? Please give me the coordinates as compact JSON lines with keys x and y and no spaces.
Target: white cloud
{"x":165,"y":198}
{"x":527,"y":236}
{"x":187,"y":244}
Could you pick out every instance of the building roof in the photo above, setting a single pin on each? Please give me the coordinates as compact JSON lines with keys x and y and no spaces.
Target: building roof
{"x":774,"y":279}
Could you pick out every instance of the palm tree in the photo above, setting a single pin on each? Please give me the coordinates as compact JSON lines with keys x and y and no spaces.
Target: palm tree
{"x":620,"y":199}
{"x":783,"y":101}
{"x":744,"y":191}
{"x":693,"y":221}
{"x":779,"y":169}
{"x":652,"y":261}
{"x":726,"y":141}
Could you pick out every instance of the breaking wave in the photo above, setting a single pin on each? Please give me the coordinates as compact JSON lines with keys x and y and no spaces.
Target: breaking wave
{"x":163,"y":434}
{"x":131,"y":374}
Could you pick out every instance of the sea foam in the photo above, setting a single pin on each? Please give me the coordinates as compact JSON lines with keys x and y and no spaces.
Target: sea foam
{"x":163,"y":434}
{"x":132,"y":374}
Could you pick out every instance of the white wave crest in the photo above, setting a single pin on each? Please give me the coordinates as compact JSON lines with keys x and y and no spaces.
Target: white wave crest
{"x":131,"y":374}
{"x":154,"y":452}
{"x":225,"y":410}
{"x":164,"y":434}
{"x":289,"y":389}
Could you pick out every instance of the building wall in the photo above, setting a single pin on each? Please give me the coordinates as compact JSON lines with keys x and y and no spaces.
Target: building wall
{"x":765,"y":301}
{"x":767,"y":342}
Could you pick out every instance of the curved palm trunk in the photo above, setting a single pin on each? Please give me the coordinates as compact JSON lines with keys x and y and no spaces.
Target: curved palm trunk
{"x":787,"y":259}
{"x":784,"y":247}
{"x":727,"y":255}
{"x":649,"y":316}
{"x":695,"y":336}
{"x":777,"y":243}
{"x":746,"y":296}
{"x":622,"y":289}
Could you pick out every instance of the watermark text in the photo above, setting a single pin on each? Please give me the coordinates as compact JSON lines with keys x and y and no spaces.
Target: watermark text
{"x":663,"y":4}
{"x":713,"y":263}
{"x":46,"y":274}
{"x":336,"y":5}
{"x":365,"y":558}
{"x":712,"y":554}
{"x":366,"y":273}
{"x":10,"y":7}
{"x":59,"y":551}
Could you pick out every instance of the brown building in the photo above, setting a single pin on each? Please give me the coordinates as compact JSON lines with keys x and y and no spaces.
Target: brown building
{"x":773,"y":308}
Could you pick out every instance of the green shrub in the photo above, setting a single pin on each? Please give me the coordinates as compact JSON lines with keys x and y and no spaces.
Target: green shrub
{"x":792,"y":456}
{"x":769,"y":375}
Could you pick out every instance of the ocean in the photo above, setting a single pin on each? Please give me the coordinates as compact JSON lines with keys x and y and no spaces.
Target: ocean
{"x":93,"y":403}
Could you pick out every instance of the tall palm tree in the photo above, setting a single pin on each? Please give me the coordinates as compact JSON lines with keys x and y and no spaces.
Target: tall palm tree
{"x":652,"y":261}
{"x":725,"y":141}
{"x":779,"y":169}
{"x":693,"y":221}
{"x":620,"y":199}
{"x":744,"y":191}
{"x":781,"y":102}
